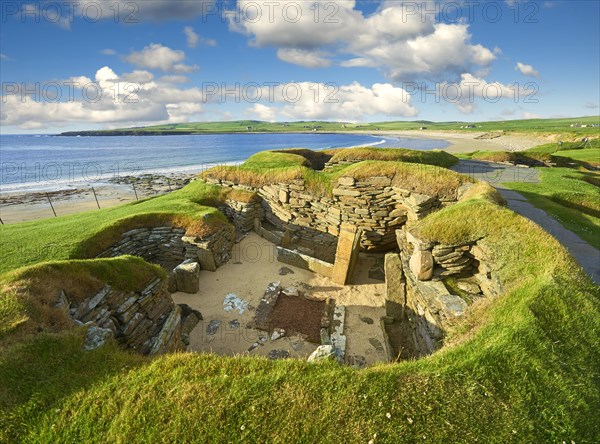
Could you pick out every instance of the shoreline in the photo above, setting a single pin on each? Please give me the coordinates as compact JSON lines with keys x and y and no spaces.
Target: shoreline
{"x":28,"y":205}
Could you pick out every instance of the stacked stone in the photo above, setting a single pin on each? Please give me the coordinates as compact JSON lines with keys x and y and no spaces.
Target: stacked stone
{"x":212,"y":251}
{"x":152,"y":243}
{"x":453,"y":259}
{"x":146,"y":321}
{"x":373,"y":205}
{"x":242,"y":214}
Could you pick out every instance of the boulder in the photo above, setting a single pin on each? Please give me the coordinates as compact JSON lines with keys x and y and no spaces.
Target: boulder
{"x":323,"y":353}
{"x":187,"y":277}
{"x":421,"y":264}
{"x":96,"y":337}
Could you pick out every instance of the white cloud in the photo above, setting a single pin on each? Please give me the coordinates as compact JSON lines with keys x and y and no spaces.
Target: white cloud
{"x":157,"y":56}
{"x":353,"y":102}
{"x":192,"y":37}
{"x":108,"y":52}
{"x":5,"y":58}
{"x":308,"y":59}
{"x":113,"y":100}
{"x":404,"y":44}
{"x":527,"y":115}
{"x":591,"y":105}
{"x":526,"y":70}
{"x":470,"y":90}
{"x":261,"y":112}
{"x":194,"y":40}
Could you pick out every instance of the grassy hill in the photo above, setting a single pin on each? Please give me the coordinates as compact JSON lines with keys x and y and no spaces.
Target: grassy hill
{"x":520,"y":368}
{"x":529,"y":126}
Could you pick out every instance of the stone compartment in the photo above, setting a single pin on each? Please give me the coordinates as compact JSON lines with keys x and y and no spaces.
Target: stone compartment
{"x":146,"y":321}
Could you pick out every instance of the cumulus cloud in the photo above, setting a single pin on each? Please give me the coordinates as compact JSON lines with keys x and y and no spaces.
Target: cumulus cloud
{"x":157,"y":56}
{"x":399,"y":38}
{"x":110,"y":99}
{"x":261,"y":112}
{"x":194,"y":40}
{"x":527,"y":70}
{"x":353,"y":102}
{"x":308,"y":59}
{"x":470,"y":90}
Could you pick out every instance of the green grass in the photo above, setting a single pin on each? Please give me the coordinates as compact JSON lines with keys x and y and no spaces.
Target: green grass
{"x":28,"y":294}
{"x":418,"y":168}
{"x":569,"y":197}
{"x":520,"y":368}
{"x":539,"y":127}
{"x":433,"y":157}
{"x":87,"y":234}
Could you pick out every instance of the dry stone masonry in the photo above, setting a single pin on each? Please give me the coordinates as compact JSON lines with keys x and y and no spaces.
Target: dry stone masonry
{"x":146,"y":321}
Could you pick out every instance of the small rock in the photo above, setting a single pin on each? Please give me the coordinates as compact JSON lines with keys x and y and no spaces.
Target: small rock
{"x":96,"y":337}
{"x":279,"y":354}
{"x":366,"y":320}
{"x":212,"y":327}
{"x":277,"y":333}
{"x":290,"y":291}
{"x":235,"y":324}
{"x":322,"y":353}
{"x":285,"y":271}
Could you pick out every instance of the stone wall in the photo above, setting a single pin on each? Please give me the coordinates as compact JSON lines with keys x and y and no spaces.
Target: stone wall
{"x":167,"y":246}
{"x":431,"y":285}
{"x":242,"y":214}
{"x":146,"y":321}
{"x":159,"y":244}
{"x":373,"y":205}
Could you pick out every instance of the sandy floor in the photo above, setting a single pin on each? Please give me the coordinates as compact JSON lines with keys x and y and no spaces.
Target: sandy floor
{"x":247,"y":276}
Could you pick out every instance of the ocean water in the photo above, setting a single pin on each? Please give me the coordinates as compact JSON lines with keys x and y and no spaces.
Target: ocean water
{"x":33,"y":163}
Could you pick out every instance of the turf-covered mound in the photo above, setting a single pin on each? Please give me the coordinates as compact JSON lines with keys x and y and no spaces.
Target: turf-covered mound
{"x":421,"y":169}
{"x":521,"y":368}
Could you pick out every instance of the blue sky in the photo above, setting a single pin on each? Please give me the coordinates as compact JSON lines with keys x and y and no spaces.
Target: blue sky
{"x":119,"y":63}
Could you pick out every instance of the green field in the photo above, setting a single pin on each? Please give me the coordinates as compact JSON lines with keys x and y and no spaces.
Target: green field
{"x":539,"y":127}
{"x":518,"y":368}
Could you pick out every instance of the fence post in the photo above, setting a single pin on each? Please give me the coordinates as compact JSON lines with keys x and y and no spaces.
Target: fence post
{"x":134,"y":190}
{"x":51,"y":206}
{"x":96,"y":197}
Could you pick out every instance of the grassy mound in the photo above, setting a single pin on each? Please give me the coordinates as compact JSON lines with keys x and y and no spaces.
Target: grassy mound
{"x":421,"y":169}
{"x":433,"y":157}
{"x":86,"y":234}
{"x":27,"y":295}
{"x":520,"y":368}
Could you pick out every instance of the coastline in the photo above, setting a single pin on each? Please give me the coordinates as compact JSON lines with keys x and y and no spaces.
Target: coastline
{"x":28,"y":205}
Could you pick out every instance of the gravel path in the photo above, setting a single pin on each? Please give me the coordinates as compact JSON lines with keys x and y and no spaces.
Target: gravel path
{"x":586,"y":255}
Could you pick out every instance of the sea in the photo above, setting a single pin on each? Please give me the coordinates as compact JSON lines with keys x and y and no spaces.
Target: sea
{"x":44,"y":162}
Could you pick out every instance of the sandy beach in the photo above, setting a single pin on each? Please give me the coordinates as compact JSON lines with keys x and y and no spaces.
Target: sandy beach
{"x":469,"y":142}
{"x":27,"y":206}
